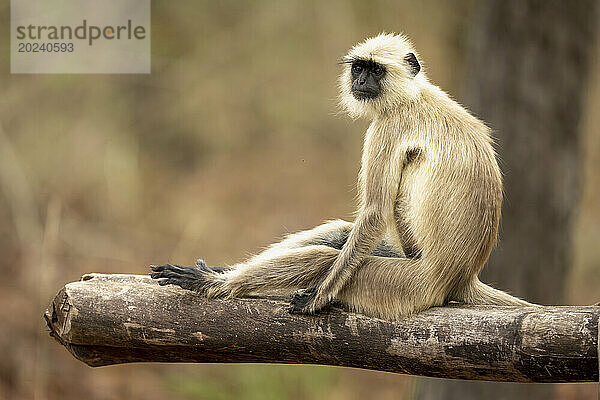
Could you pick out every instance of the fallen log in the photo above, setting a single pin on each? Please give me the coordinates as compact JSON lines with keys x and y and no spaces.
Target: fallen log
{"x":113,"y":319}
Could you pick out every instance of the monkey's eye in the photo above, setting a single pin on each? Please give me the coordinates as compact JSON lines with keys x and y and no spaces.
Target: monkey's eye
{"x":378,"y":71}
{"x":357,"y":69}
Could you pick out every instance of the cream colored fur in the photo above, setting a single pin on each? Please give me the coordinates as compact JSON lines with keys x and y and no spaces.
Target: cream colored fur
{"x":429,"y":187}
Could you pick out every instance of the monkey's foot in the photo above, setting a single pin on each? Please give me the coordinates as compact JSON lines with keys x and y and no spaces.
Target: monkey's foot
{"x":198,"y":278}
{"x":303,"y":301}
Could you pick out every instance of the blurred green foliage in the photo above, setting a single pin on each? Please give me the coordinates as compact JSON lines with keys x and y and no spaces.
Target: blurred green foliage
{"x":256,"y":382}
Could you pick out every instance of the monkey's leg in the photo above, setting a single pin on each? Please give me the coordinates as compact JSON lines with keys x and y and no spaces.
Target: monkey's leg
{"x":387,"y":288}
{"x":332,"y":234}
{"x":394,"y":287}
{"x":382,"y":287}
{"x":289,"y":269}
{"x":299,"y":261}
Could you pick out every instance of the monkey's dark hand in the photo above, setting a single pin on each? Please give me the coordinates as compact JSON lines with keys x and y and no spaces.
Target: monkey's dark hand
{"x":190,"y":278}
{"x":302,"y":302}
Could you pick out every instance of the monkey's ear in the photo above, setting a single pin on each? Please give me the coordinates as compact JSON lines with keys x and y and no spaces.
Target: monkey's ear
{"x":413,"y":63}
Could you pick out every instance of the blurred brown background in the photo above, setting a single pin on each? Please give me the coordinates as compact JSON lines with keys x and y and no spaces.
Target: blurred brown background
{"x":232,"y":141}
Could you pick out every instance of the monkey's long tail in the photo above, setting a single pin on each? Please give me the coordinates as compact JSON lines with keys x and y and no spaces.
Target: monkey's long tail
{"x":480,"y":293}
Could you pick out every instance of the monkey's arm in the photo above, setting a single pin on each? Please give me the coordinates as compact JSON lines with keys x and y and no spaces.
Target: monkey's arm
{"x":380,"y":180}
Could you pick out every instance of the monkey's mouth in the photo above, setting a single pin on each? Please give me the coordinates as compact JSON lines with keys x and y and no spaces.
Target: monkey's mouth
{"x":364,"y":94}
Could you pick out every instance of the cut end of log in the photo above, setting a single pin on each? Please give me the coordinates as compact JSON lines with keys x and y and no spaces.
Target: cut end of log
{"x":57,"y":317}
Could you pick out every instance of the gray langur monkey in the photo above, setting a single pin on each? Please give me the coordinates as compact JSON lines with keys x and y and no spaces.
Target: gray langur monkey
{"x":430,"y":193}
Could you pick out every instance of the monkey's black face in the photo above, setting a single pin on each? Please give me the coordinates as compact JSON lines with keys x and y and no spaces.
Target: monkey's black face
{"x":366,"y":78}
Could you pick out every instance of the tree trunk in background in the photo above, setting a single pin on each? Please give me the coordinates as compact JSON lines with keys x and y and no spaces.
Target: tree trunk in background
{"x":527,"y":69}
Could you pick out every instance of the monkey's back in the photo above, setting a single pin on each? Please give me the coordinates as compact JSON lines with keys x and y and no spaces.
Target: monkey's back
{"x":451,"y":192}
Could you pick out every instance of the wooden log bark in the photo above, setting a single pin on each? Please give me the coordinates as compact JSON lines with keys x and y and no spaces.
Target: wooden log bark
{"x":112,"y":319}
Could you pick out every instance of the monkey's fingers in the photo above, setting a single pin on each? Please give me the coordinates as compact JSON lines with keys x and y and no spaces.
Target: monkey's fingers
{"x":300,"y":302}
{"x":159,"y":268}
{"x":169,"y":274}
{"x":167,"y":267}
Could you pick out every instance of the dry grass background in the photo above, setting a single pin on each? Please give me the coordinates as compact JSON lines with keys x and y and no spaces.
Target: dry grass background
{"x":232,"y":141}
